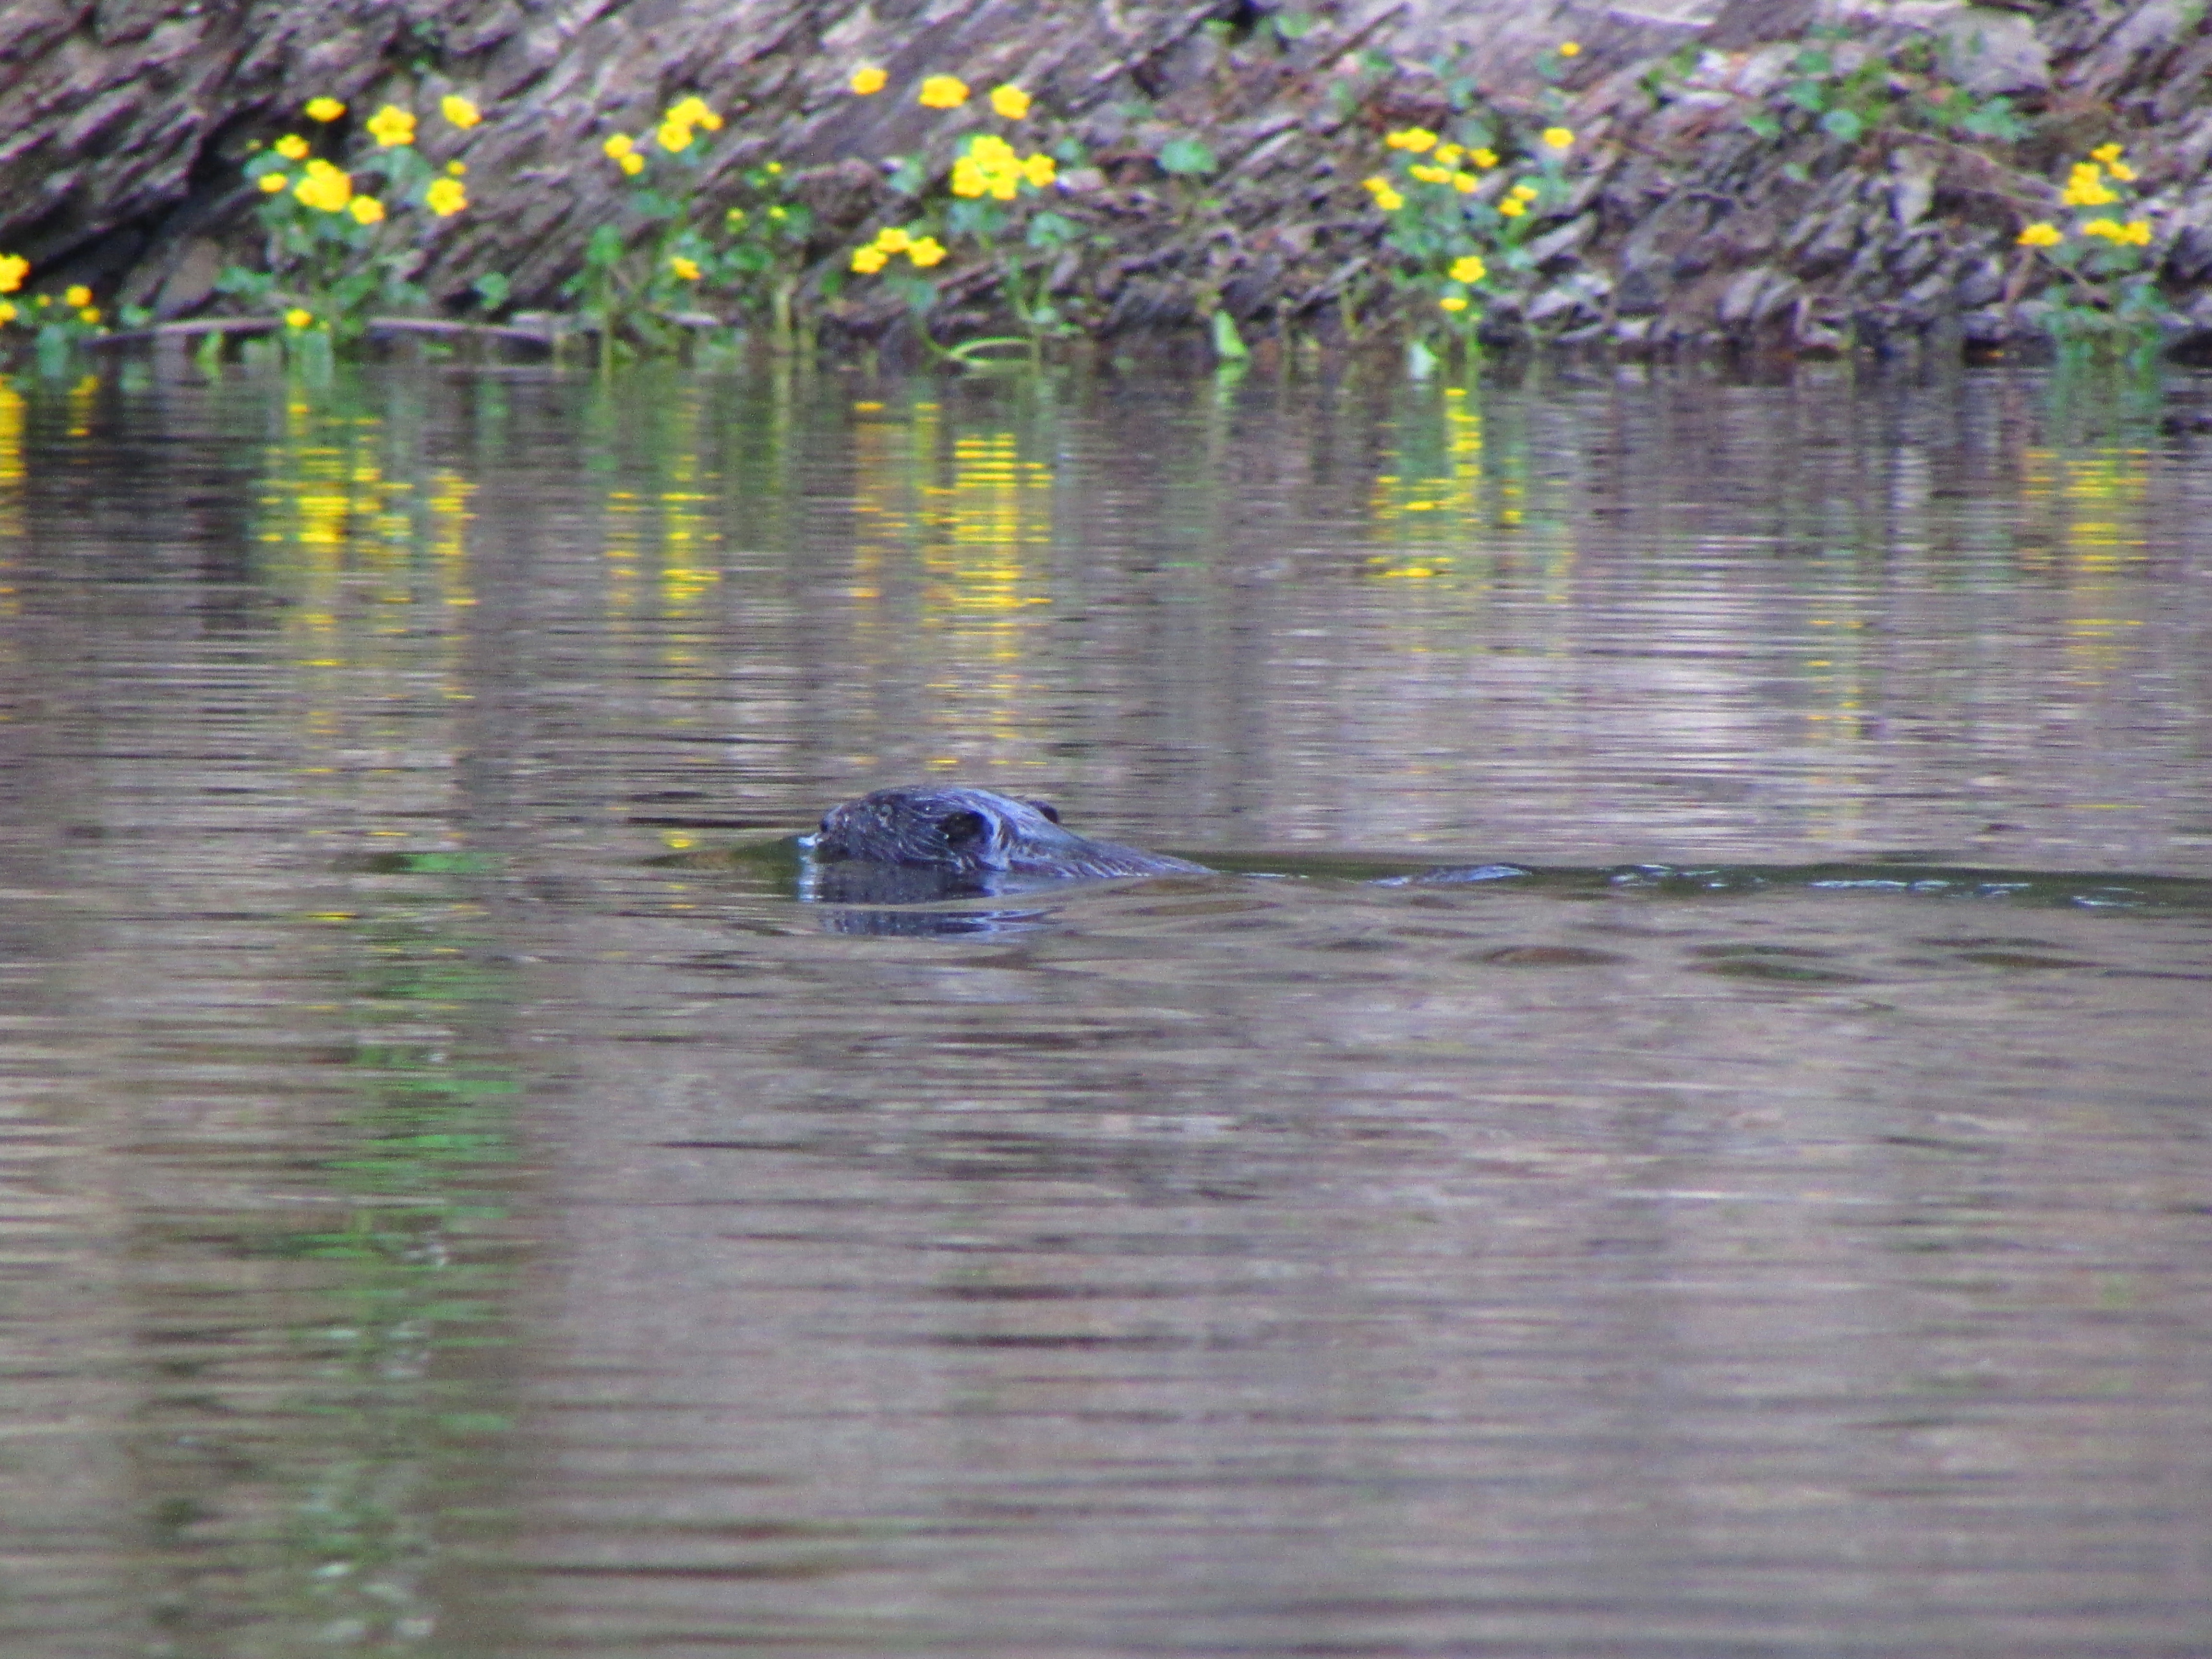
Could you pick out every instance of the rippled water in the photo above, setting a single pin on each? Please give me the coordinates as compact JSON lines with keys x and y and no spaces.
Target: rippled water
{"x":455,"y":1199}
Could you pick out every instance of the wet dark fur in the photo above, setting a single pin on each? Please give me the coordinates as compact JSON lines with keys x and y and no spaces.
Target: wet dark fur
{"x":901,"y":841}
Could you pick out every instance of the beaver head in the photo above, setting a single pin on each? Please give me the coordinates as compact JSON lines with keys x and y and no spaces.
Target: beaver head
{"x":972,"y":833}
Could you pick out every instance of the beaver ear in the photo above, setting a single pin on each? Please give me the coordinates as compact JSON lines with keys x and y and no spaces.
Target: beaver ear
{"x":1048,"y":809}
{"x":963,"y":829}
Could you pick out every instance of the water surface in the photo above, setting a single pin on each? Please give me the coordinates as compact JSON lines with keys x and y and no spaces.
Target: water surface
{"x":455,"y":1199}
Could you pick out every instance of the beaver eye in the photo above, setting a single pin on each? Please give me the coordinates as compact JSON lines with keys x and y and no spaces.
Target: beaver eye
{"x":823,"y":826}
{"x":963,"y":829}
{"x":1048,"y":809}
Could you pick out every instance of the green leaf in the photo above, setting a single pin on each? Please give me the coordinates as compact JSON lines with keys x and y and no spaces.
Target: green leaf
{"x":1051,"y":230}
{"x":1995,"y":119}
{"x":605,"y":248}
{"x":919,"y":292}
{"x":1228,"y":343}
{"x":1844,"y":125}
{"x":1763,"y":124}
{"x":246,"y":284}
{"x":1185,"y":156}
{"x":493,"y":288}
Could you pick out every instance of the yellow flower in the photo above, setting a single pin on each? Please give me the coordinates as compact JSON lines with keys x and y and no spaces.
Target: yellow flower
{"x":868,"y":79}
{"x":1469,"y":269}
{"x":1010,"y":101}
{"x":89,"y":314}
{"x":1526,"y":192}
{"x":367,"y":210}
{"x":2107,"y":227}
{"x":297,"y":317}
{"x":14,"y":267}
{"x":619,"y":145}
{"x":1558,"y":137}
{"x":892,"y":239}
{"x":457,"y":168}
{"x":771,"y":169}
{"x":633,"y":164}
{"x":445,"y":197}
{"x":1453,"y":302}
{"x":988,"y":167}
{"x":925,"y":251}
{"x":1388,"y":200}
{"x":1375,"y":183}
{"x":2085,"y":187}
{"x":8,"y":313}
{"x":272,"y":182}
{"x":391,"y":126}
{"x":684,"y":269}
{"x":1465,"y":183}
{"x":1419,"y":140}
{"x":325,"y":188}
{"x":324,"y":109}
{"x":2121,"y":170}
{"x":673,"y":137}
{"x":2136,"y":231}
{"x":1041,"y":169}
{"x":1571,"y":48}
{"x":869,"y":260}
{"x":692,"y":112}
{"x":291,"y":147}
{"x":1485,"y":159}
{"x":1429,"y":175}
{"x":1513,"y":207}
{"x":2042,"y":235}
{"x":459,"y":111}
{"x":1449,"y":154}
{"x":2108,"y":153}
{"x":942,"y":92}
{"x":77,"y":295}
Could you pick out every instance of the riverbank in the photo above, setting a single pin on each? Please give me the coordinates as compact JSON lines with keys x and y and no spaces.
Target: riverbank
{"x":1800,"y":177}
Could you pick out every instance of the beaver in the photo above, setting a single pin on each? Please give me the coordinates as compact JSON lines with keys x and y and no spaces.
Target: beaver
{"x":908,"y":845}
{"x":926,"y":842}
{"x":921,"y":842}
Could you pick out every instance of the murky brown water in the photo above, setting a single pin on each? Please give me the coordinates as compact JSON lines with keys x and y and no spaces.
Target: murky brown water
{"x":455,"y":1200}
